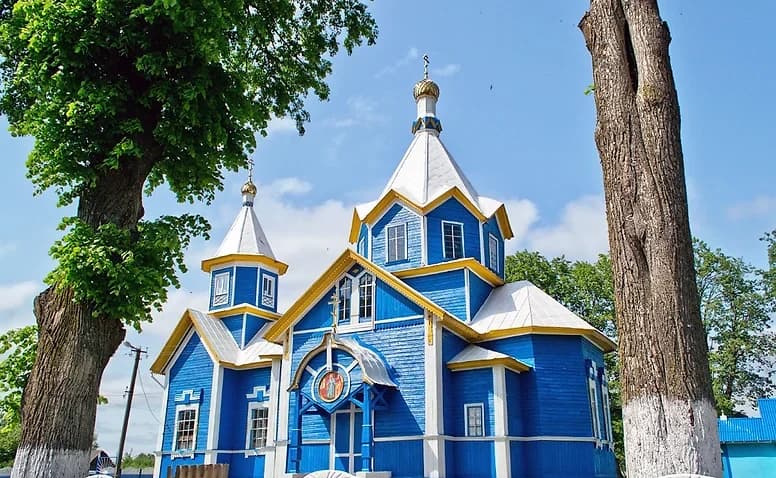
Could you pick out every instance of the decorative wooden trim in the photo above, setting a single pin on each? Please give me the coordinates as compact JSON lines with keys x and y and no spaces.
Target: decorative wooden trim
{"x":210,"y":264}
{"x":467,"y":262}
{"x":596,"y":337}
{"x":507,"y":362}
{"x":245,"y":309}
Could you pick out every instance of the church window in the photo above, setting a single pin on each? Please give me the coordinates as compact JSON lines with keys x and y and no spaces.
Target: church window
{"x":397,"y":243}
{"x":345,"y":290}
{"x":493,"y":252}
{"x":185,"y":427}
{"x":365,"y":296}
{"x":258,"y":425}
{"x":221,"y":288}
{"x":362,"y":247}
{"x":268,"y":291}
{"x":474,"y":424}
{"x":607,"y":411}
{"x":452,"y":240}
{"x":593,"y":397}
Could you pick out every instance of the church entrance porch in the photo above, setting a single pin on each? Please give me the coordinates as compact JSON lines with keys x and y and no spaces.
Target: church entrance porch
{"x":346,"y":427}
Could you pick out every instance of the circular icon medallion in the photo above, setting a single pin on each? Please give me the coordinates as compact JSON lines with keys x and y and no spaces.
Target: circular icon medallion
{"x":331,"y":386}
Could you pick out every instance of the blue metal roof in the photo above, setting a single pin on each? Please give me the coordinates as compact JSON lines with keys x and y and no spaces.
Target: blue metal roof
{"x":748,"y":430}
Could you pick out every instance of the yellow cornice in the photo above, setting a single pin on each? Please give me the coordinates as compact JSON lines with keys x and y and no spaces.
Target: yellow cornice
{"x":468,"y":262}
{"x":459,"y":327}
{"x":256,"y":364}
{"x":507,"y":362}
{"x":391,"y":196}
{"x":314,"y":293}
{"x":245,"y":309}
{"x":209,"y":264}
{"x":600,"y":340}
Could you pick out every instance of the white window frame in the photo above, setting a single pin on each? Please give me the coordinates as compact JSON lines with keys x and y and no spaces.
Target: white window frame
{"x":248,"y":445}
{"x":405,"y":252}
{"x":271,"y":296}
{"x":361,"y":249}
{"x":493,"y":248}
{"x":184,"y":453}
{"x":466,"y":407}
{"x":463,"y":244}
{"x":221,"y":288}
{"x":593,"y":398}
{"x":607,"y":411}
{"x":352,"y":323}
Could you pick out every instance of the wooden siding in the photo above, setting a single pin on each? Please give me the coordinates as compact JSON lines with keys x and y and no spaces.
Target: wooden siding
{"x":514,"y":404}
{"x":252,"y":325}
{"x":404,"y":459}
{"x":556,"y":459}
{"x":479,"y":290}
{"x":397,"y":214}
{"x":470,"y":386}
{"x":491,"y":227}
{"x":452,"y":210}
{"x":318,"y":316}
{"x":446,"y":289}
{"x":451,"y":345}
{"x":193,"y":370}
{"x":470,"y":459}
{"x":235,"y":325}
{"x":245,"y":282}
{"x":234,"y":405}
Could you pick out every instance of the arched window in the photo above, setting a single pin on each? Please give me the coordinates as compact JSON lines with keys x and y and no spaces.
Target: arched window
{"x":366,"y":291}
{"x":345,"y":290}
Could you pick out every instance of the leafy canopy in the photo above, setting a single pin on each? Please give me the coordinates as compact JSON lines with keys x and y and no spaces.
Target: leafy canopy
{"x":129,"y":94}
{"x":17,"y":354}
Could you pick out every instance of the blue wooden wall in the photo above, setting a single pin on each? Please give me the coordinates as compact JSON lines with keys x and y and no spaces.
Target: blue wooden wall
{"x":514,"y":403}
{"x":469,"y":386}
{"x":252,"y":325}
{"x":479,"y":290}
{"x":245,"y":282}
{"x":403,"y":458}
{"x":446,"y":289}
{"x":452,"y":210}
{"x":470,"y":459}
{"x":451,"y":345}
{"x":235,"y":325}
{"x":742,"y":460}
{"x":397,"y":214}
{"x":193,"y":370}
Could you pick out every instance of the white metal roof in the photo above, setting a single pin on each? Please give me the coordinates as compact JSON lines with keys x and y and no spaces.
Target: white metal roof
{"x":245,"y":236}
{"x":475,"y":353}
{"x":225,"y":349}
{"x":372,"y":366}
{"x":522,"y":304}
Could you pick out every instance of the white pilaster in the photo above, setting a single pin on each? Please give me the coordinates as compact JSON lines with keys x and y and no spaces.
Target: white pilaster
{"x":501,"y":445}
{"x":281,"y":440}
{"x":160,"y":437}
{"x":433,"y":442}
{"x":214,"y":417}
{"x":423,"y":241}
{"x":272,"y":418}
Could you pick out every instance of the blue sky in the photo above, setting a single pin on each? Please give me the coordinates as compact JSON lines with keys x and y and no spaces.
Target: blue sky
{"x":512,"y":77}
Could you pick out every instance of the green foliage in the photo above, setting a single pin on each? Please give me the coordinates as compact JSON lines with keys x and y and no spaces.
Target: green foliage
{"x":17,"y":349}
{"x":143,"y":461}
{"x":153,"y":92}
{"x":10,"y":434}
{"x":124,"y":273}
{"x":736,"y":307}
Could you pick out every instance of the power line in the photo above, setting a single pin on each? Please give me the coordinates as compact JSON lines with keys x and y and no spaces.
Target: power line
{"x":146,"y":400}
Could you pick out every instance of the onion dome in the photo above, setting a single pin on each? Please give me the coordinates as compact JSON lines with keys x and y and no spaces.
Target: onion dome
{"x":426,"y":87}
{"x":249,"y":188}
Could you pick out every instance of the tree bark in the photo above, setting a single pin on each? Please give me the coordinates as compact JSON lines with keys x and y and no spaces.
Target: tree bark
{"x":59,"y":404}
{"x":669,"y":420}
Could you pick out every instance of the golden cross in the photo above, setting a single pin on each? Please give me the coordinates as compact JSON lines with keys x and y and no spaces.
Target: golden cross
{"x":250,"y":170}
{"x":334,"y":302}
{"x":425,"y":66}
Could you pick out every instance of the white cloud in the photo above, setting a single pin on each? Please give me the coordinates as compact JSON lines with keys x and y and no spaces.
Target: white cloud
{"x":290,"y":186}
{"x":447,"y":70}
{"x":581,"y":233}
{"x":16,"y":304}
{"x":759,"y":206}
{"x":7,"y":248}
{"x":362,"y":111}
{"x":411,"y":55}
{"x":281,"y":125}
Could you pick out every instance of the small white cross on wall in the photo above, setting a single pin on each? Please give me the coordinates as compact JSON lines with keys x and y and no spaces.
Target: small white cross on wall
{"x":334,"y":302}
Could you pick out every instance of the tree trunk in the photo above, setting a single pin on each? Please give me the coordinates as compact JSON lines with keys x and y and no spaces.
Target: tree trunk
{"x":669,"y":420}
{"x":60,"y":400}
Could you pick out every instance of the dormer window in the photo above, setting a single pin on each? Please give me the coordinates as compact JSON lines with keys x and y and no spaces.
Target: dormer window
{"x":221,"y":288}
{"x":397,"y":243}
{"x":355,"y":294}
{"x":452,"y":240}
{"x":493,"y":252}
{"x":267,"y":291}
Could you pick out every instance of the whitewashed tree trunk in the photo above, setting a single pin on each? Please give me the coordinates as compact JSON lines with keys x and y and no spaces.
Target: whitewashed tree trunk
{"x":669,"y":419}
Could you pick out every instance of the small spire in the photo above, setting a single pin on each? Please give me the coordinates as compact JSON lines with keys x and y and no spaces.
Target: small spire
{"x":249,"y":189}
{"x":425,"y":67}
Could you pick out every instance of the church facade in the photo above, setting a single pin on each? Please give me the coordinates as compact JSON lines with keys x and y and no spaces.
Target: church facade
{"x":409,"y":357}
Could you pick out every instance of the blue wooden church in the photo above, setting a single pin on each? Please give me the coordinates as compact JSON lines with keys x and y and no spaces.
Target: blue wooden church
{"x":408,"y":357}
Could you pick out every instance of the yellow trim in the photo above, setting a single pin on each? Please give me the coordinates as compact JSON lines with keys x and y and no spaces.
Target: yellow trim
{"x":245,"y":309}
{"x":486,"y":274}
{"x":507,"y":362}
{"x":209,"y":264}
{"x":460,"y":328}
{"x":378,"y":209}
{"x":595,"y":336}
{"x":325,"y":282}
{"x":256,"y":364}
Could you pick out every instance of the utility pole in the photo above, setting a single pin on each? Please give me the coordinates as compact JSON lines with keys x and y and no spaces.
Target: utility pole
{"x":137,"y":351}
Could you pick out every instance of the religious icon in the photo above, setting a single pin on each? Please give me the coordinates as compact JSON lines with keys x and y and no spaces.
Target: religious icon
{"x":330,"y":386}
